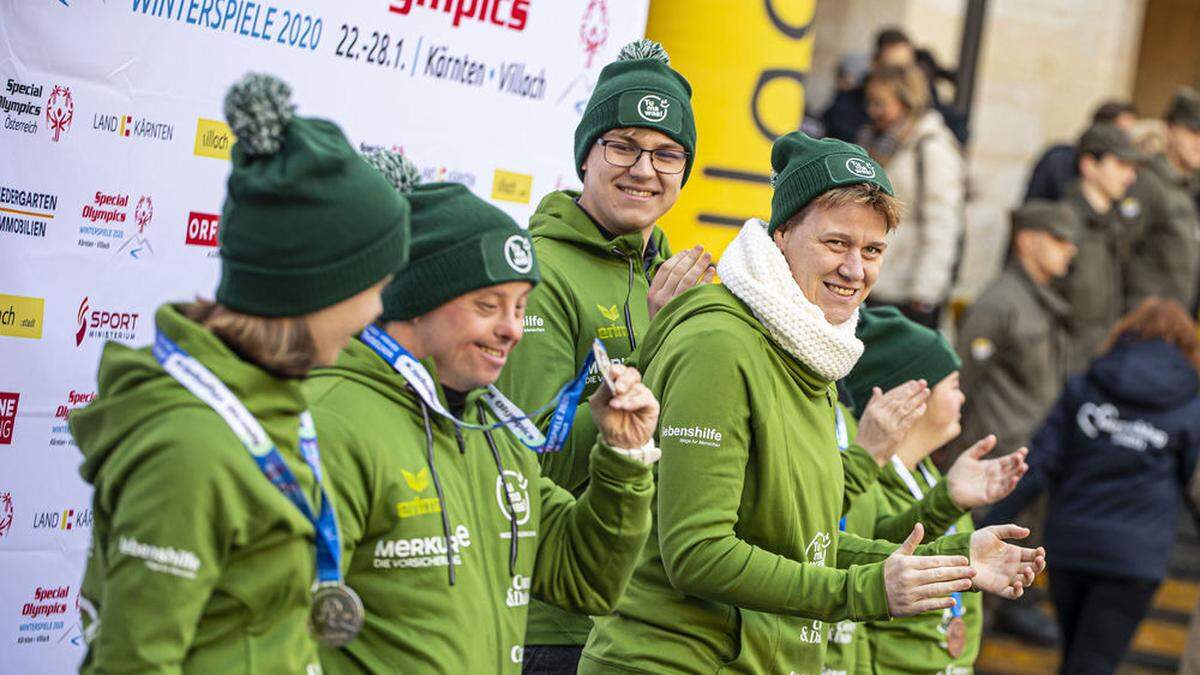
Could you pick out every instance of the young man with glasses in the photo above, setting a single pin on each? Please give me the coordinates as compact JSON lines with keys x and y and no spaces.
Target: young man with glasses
{"x":606,"y":270}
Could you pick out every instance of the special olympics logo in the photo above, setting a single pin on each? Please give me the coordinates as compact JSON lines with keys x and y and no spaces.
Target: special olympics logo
{"x":6,"y":513}
{"x":593,"y":31}
{"x":143,"y":212}
{"x":83,"y":310}
{"x":860,"y":167}
{"x":653,"y":108}
{"x":517,"y":254}
{"x":60,"y":111}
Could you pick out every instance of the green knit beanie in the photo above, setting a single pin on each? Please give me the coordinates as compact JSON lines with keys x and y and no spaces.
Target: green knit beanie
{"x":804,"y":167}
{"x":896,"y":350}
{"x":639,"y":89}
{"x":306,"y":222}
{"x":460,"y":243}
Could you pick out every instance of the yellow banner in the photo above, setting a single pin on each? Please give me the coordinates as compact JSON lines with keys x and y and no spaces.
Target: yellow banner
{"x":747,"y":62}
{"x":21,"y":316}
{"x":213,"y":139}
{"x":511,"y":187}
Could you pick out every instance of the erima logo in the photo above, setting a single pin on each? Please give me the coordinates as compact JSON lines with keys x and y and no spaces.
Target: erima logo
{"x":610,"y":313}
{"x":418,"y":506}
{"x":1104,"y":418}
{"x":417,"y":482}
{"x":860,"y":167}
{"x":653,"y":108}
{"x":693,"y":435}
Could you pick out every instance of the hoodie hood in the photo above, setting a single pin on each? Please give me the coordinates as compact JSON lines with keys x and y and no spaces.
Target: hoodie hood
{"x":1147,"y":373}
{"x":134,"y":389}
{"x":560,"y":217}
{"x":716,"y":302}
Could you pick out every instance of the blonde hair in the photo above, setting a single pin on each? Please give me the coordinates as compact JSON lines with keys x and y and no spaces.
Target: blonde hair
{"x":908,"y":84}
{"x":869,"y":195}
{"x":284,"y":346}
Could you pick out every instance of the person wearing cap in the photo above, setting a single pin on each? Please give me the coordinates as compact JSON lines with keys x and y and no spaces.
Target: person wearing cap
{"x":1013,"y":340}
{"x":1094,"y":286}
{"x":450,"y":527}
{"x":199,"y":563}
{"x":1057,"y":169}
{"x":745,"y":563}
{"x":1166,"y":259}
{"x":606,"y":269}
{"x":897,"y":349}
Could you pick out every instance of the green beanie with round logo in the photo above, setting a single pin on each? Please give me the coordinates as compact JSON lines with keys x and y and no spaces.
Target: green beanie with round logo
{"x":639,"y":89}
{"x":460,"y":243}
{"x":804,"y":167}
{"x":896,"y":350}
{"x":306,"y":222}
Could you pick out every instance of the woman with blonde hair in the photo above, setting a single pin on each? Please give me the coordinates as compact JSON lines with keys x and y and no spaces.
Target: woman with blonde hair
{"x":1116,"y":453}
{"x":215,"y":548}
{"x":912,"y":142}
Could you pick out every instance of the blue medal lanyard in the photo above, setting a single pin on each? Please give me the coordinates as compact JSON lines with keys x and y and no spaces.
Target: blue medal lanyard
{"x":843,"y":443}
{"x":906,"y":476}
{"x":208,"y":388}
{"x":507,"y":412}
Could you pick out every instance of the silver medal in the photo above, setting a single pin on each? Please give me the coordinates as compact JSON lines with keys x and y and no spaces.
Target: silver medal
{"x":337,"y":614}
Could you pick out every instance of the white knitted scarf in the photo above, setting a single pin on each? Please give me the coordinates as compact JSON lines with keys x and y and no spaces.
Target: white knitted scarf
{"x":754,"y":269}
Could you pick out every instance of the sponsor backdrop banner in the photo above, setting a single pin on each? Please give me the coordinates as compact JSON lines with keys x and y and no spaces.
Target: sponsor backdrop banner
{"x":114,"y":163}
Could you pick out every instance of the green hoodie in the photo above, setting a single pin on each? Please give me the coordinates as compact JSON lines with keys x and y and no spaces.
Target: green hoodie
{"x":198,"y":563}
{"x":742,"y":566}
{"x":393,"y":490}
{"x":849,"y":650}
{"x":916,"y":644}
{"x":592,"y":287}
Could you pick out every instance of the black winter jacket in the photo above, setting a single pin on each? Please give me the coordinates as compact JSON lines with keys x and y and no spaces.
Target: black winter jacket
{"x":1116,"y":453}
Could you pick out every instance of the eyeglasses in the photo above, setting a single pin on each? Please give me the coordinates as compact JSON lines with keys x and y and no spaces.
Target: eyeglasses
{"x":625,"y":155}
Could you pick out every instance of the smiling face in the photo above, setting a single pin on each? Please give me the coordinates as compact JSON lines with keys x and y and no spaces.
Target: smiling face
{"x":835,"y":255}
{"x":629,"y":199}
{"x":471,"y":336}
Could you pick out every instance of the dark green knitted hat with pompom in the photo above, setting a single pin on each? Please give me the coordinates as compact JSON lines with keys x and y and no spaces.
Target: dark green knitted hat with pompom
{"x":639,"y":89}
{"x":460,"y":243}
{"x":306,"y":223}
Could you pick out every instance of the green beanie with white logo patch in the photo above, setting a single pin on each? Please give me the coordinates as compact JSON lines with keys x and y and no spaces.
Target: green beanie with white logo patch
{"x":460,"y":243}
{"x":804,"y":168}
{"x":639,"y":89}
{"x":306,"y":223}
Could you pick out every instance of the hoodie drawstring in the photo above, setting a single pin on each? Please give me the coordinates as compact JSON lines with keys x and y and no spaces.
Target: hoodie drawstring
{"x":437,"y":485}
{"x":628,"y":319}
{"x":512,"y":515}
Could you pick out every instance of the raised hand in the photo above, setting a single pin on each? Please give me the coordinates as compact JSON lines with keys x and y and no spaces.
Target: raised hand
{"x":916,"y":584}
{"x":679,"y":273}
{"x":1002,"y":568}
{"x":887,"y":418}
{"x":974,"y":481}
{"x":626,"y":417}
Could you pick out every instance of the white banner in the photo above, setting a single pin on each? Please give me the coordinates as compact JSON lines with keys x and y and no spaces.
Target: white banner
{"x":114,"y":160}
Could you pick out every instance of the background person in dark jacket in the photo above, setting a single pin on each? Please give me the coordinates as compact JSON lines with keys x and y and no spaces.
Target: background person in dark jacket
{"x":1116,"y":452}
{"x":1056,"y":170}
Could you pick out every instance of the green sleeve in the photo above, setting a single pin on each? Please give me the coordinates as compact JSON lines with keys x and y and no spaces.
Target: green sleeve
{"x":936,"y":512}
{"x":700,"y":490}
{"x":164,"y":552}
{"x":352,"y":477}
{"x":854,"y":550}
{"x":540,"y":364}
{"x":588,"y":548}
{"x":860,"y":471}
